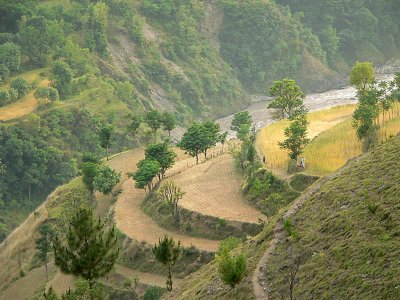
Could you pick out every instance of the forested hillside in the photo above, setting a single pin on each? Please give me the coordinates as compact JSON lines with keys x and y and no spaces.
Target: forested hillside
{"x":69,"y":68}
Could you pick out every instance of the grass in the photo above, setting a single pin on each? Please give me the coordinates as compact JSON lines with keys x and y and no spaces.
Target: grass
{"x":334,"y":141}
{"x":348,"y":233}
{"x":26,"y":104}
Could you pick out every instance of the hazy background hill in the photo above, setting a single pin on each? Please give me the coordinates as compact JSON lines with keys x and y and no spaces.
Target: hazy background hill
{"x":111,"y":59}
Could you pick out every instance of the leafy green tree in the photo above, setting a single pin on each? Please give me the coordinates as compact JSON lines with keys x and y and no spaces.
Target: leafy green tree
{"x":13,"y":94}
{"x":153,"y":119}
{"x":62,"y":77}
{"x":39,"y":38}
{"x":170,"y":193}
{"x":98,"y":28}
{"x":134,"y":124}
{"x":210,"y":135}
{"x":240,"y":119}
{"x":106,"y":180}
{"x":89,"y":172}
{"x":105,"y":136}
{"x":192,"y":141}
{"x":10,"y":56}
{"x":168,"y":121}
{"x":21,"y":86}
{"x":4,"y":73}
{"x":162,"y":153}
{"x":231,"y":268}
{"x":289,"y":98}
{"x":89,"y":251}
{"x":147,"y":170}
{"x":243,"y":133}
{"x":46,"y":94}
{"x":5,"y":97}
{"x":296,"y":136}
{"x":362,"y":75}
{"x":44,"y":244}
{"x":167,"y":252}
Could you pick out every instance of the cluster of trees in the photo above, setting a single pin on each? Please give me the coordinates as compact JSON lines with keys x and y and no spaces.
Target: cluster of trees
{"x":19,"y":87}
{"x":200,"y":137}
{"x":289,"y":103}
{"x":377,"y":101}
{"x":158,"y":159}
{"x":10,"y":60}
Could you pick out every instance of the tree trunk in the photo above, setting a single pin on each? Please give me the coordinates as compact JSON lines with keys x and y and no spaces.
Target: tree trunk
{"x":169,"y":279}
{"x":197,"y":159}
{"x":47,"y":274}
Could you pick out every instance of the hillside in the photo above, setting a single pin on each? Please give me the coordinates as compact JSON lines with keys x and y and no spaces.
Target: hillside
{"x":107,"y":62}
{"x":349,"y":248}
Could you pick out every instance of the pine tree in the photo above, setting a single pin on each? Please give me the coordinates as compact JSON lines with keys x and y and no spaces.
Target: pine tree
{"x":43,"y":244}
{"x":167,"y":252}
{"x":89,"y":251}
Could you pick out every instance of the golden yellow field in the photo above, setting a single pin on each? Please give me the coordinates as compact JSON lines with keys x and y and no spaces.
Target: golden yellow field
{"x":334,"y":141}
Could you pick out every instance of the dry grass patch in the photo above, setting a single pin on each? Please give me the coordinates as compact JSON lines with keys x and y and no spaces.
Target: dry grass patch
{"x":269,"y":137}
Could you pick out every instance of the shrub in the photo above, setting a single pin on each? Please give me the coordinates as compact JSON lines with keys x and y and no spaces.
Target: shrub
{"x":372,"y":207}
{"x":13,"y":94}
{"x":231,"y":268}
{"x":228,"y":244}
{"x":4,"y":97}
{"x":4,"y":73}
{"x":21,"y":85}
{"x":153,"y":293}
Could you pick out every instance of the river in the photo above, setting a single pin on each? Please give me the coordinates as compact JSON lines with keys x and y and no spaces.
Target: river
{"x":262,"y":116}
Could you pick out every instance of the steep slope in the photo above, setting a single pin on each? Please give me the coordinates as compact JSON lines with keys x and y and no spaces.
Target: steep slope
{"x":346,"y":231}
{"x":347,"y":234}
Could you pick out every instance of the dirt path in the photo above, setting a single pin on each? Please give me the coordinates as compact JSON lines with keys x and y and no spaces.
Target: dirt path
{"x":131,"y":220}
{"x":260,"y":288}
{"x":212,"y":188}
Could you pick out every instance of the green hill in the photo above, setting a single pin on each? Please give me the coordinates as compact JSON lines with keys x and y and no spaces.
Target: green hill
{"x":346,"y":232}
{"x":107,"y":61}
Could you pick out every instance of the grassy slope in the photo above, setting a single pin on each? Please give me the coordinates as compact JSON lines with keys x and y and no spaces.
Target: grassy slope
{"x":350,"y":252}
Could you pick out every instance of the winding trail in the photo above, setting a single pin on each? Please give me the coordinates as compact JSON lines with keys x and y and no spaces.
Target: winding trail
{"x":260,"y":287}
{"x":129,"y":216}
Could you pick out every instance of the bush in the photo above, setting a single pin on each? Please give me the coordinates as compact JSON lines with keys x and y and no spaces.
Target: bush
{"x":21,"y":85}
{"x":4,"y":73}
{"x":5,"y":97}
{"x":228,"y":245}
{"x":231,"y":268}
{"x":153,"y":293}
{"x":13,"y":94}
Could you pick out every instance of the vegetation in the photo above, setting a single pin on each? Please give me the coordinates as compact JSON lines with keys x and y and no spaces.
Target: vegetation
{"x":330,"y":239}
{"x":90,"y":252}
{"x":44,"y":244}
{"x":167,"y":252}
{"x":106,"y":180}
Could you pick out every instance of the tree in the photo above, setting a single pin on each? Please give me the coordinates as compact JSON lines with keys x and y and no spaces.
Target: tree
{"x":362,"y":75}
{"x":147,"y":170}
{"x":154,"y":121}
{"x":62,"y":77}
{"x":296,"y":136}
{"x":222,"y":139}
{"x":106,"y":180}
{"x":134,"y":125}
{"x":163,"y":154}
{"x":89,"y":172}
{"x":44,"y":244}
{"x":241,"y":122}
{"x":89,"y":250}
{"x":46,"y":94}
{"x":131,"y":285}
{"x":192,"y":141}
{"x":231,"y":268}
{"x":21,"y":86}
{"x":167,"y":252}
{"x":105,"y":135}
{"x":168,"y":121}
{"x":210,"y":135}
{"x":289,"y":98}
{"x":171,"y":194}
{"x":4,"y":97}
{"x":10,"y":56}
